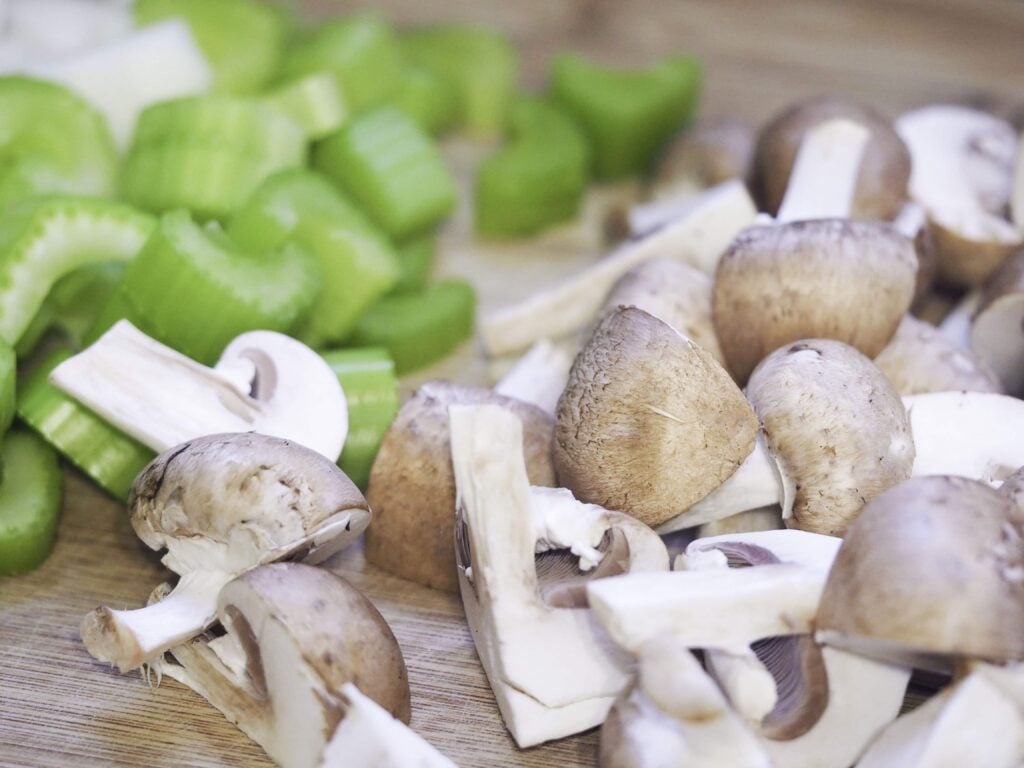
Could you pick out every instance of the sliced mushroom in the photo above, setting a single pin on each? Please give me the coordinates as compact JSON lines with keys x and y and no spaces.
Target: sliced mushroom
{"x":412,"y":486}
{"x":997,"y":328}
{"x":221,"y":505}
{"x":264,"y":381}
{"x":752,"y":521}
{"x":296,"y":639}
{"x":553,"y":671}
{"x":538,"y":377}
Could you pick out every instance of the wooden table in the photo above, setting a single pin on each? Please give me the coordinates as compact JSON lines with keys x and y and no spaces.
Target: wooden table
{"x":58,"y":707}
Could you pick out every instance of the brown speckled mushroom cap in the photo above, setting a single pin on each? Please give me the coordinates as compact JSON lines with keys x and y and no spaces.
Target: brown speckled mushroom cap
{"x":830,"y":278}
{"x":706,"y":155}
{"x":649,"y":423}
{"x":836,"y":427}
{"x":885,"y":168}
{"x":931,"y":573}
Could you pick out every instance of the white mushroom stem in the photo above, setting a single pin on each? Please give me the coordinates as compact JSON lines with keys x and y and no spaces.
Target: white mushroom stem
{"x":265,"y":382}
{"x":824,"y":176}
{"x":538,"y":377}
{"x":911,"y":220}
{"x":956,"y":326}
{"x":745,"y":680}
{"x":645,"y":218}
{"x":698,"y":238}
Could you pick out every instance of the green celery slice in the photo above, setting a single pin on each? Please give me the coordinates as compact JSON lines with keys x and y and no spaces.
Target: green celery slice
{"x":371,"y":389}
{"x":30,"y":497}
{"x":480,"y":63}
{"x":428,"y":98}
{"x":362,"y":52}
{"x":197,"y":290}
{"x":108,"y":456}
{"x":416,"y":258}
{"x":43,"y":239}
{"x":627,"y":115}
{"x":357,"y":263}
{"x":81,"y":296}
{"x":313,"y":101}
{"x":387,"y":164}
{"x":51,"y":141}
{"x":419,"y":328}
{"x":118,"y":307}
{"x":242,"y":39}
{"x":8,"y":375}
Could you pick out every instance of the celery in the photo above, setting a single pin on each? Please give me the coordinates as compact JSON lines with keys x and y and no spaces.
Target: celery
{"x":313,"y":101}
{"x":30,"y":496}
{"x":428,"y":98}
{"x":416,"y":259}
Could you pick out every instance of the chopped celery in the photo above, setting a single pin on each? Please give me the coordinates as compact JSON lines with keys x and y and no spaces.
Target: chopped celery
{"x":626,"y":114}
{"x":419,"y":328}
{"x":389,"y":166}
{"x":371,"y":389}
{"x":243,"y":39}
{"x":428,"y":98}
{"x":480,"y":63}
{"x":8,"y":372}
{"x":416,"y":259}
{"x":101,"y":451}
{"x":313,"y":101}
{"x":30,"y":497}
{"x":78,"y":298}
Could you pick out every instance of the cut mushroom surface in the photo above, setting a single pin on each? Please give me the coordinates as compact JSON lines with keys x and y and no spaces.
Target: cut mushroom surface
{"x":538,"y":377}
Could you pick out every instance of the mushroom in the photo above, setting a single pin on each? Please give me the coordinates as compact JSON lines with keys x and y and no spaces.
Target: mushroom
{"x":674,"y":715}
{"x":1017,"y":202}
{"x":930,"y":574}
{"x":296,"y":640}
{"x":649,"y":423}
{"x":221,"y":505}
{"x":412,"y":487}
{"x":920,"y":358}
{"x":698,"y":237}
{"x":264,"y":381}
{"x":752,"y":521}
{"x":997,"y":327}
{"x":881,"y":186}
{"x":962,"y":172}
{"x":1013,"y":489}
{"x":553,"y":671}
{"x":912,"y":223}
{"x":538,"y":377}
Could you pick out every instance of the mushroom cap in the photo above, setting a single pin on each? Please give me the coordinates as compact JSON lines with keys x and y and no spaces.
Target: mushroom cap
{"x":997,"y":330}
{"x":920,"y":358}
{"x":673,"y":292}
{"x":811,"y":279}
{"x":706,"y":155}
{"x":1013,"y":489}
{"x":336,"y":629}
{"x":930,"y":573}
{"x":649,"y":423}
{"x":253,"y":497}
{"x":412,"y":484}
{"x":885,"y":168}
{"x":836,"y":427}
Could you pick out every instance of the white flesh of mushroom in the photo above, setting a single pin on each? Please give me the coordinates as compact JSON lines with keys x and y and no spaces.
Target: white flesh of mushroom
{"x":264,"y":381}
{"x":538,"y":377}
{"x":554,"y":672}
{"x":699,"y":238}
{"x":751,"y":521}
{"x":956,"y":326}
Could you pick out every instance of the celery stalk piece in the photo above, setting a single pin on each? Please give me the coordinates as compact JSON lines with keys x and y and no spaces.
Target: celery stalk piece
{"x":243,"y":39}
{"x":207,"y":154}
{"x":371,"y":390}
{"x":197,"y":290}
{"x":429,"y":98}
{"x":51,"y":141}
{"x":385,"y":162}
{"x":111,"y":458}
{"x":361,"y":52}
{"x":480,"y":63}
{"x":357,"y":263}
{"x":42,"y":239}
{"x":117,"y":307}
{"x":313,"y":101}
{"x":419,"y":328}
{"x":538,"y":179}
{"x":416,"y":259}
{"x":627,"y":115}
{"x":81,"y":296}
{"x":8,"y":373}
{"x":30,"y":496}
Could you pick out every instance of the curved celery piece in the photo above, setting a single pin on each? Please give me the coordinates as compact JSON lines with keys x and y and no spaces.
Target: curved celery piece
{"x":627,"y":115}
{"x":51,"y":141}
{"x":242,"y":39}
{"x":111,"y":458}
{"x":416,"y":259}
{"x":8,"y":372}
{"x":43,"y":239}
{"x":198,"y":290}
{"x":313,"y":101}
{"x":30,"y":496}
{"x":429,"y":98}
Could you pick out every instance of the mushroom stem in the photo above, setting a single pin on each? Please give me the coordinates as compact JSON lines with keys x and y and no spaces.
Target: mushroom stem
{"x":824,"y":176}
{"x":956,"y":326}
{"x":538,"y":377}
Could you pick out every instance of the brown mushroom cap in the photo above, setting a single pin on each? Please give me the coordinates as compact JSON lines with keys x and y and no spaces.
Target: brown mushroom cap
{"x":932,"y":572}
{"x":885,"y":168}
{"x":997,"y":331}
{"x":412,"y":485}
{"x":649,"y":423}
{"x":705,"y":156}
{"x":337,"y":631}
{"x":836,"y":427}
{"x":811,"y":279}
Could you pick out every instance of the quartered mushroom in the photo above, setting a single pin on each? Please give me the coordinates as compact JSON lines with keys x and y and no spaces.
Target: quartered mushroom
{"x":221,"y":505}
{"x":553,"y":670}
{"x":264,"y":382}
{"x":997,"y":326}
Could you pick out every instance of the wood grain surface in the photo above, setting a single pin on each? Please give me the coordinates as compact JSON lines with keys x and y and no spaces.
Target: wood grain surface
{"x":58,"y":707}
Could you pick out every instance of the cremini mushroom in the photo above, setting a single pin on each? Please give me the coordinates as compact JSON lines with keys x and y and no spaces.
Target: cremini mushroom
{"x":553,"y":671}
{"x":221,"y":505}
{"x":264,"y":381}
{"x":412,"y":487}
{"x":704,"y":156}
{"x":997,"y":327}
{"x":912,"y":223}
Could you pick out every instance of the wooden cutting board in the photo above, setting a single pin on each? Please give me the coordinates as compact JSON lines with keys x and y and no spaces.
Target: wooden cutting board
{"x":58,"y":707}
